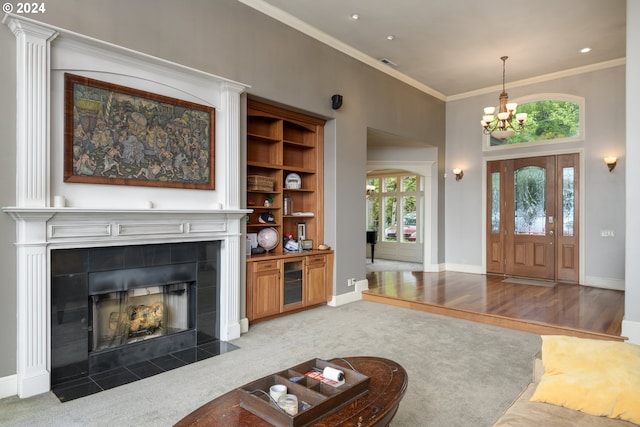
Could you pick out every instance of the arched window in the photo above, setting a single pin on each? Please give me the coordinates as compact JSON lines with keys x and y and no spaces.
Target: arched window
{"x":551,"y":118}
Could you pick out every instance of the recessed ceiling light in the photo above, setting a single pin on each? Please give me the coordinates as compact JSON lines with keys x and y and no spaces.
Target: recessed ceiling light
{"x":391,"y":37}
{"x":355,"y":16}
{"x":585,"y":50}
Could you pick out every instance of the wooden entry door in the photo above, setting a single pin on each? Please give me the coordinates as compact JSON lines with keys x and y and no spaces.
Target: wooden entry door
{"x":532,"y":217}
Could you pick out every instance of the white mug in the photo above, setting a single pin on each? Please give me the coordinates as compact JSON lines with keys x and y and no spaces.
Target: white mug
{"x":277,"y":390}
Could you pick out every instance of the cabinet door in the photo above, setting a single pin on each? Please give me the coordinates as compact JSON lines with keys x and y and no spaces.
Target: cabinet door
{"x":292,"y":284}
{"x":316,"y":280}
{"x":266,"y":291}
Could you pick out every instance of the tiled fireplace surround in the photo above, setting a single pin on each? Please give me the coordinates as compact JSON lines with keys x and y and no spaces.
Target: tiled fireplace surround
{"x":104,"y":215}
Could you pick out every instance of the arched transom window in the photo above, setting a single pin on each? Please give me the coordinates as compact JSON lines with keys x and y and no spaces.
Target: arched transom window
{"x":551,"y":118}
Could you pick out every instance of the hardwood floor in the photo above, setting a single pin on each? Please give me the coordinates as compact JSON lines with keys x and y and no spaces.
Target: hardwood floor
{"x":565,"y":309}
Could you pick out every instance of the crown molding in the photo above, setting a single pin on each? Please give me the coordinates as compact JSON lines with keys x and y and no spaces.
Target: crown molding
{"x":542,"y":78}
{"x":313,"y":32}
{"x":297,"y":24}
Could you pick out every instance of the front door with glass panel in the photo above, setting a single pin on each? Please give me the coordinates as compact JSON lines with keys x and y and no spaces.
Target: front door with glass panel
{"x":532,"y":217}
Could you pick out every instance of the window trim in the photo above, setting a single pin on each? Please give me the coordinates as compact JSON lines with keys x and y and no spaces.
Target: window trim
{"x":398,"y":194}
{"x":545,"y":142}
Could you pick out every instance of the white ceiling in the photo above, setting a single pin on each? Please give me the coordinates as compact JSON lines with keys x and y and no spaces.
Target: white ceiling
{"x":452,"y":48}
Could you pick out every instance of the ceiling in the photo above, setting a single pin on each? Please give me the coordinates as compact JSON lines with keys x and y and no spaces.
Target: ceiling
{"x":452,"y":48}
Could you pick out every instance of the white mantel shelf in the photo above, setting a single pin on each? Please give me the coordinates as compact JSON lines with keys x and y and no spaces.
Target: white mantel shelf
{"x":73,"y":227}
{"x":40,"y":230}
{"x":14,"y":210}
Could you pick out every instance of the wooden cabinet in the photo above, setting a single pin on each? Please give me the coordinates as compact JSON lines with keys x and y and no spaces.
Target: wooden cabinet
{"x":316,"y":278}
{"x":284,"y":144}
{"x":280,"y":284}
{"x":265,"y":291}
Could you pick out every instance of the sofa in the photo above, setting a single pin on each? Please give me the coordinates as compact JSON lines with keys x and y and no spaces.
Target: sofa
{"x":591,"y":366}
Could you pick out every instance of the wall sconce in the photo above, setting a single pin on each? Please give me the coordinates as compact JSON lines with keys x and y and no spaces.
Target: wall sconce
{"x":458,"y":173}
{"x":611,"y":162}
{"x":370,"y":190}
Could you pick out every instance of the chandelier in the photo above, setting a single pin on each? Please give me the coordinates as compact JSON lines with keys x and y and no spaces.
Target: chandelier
{"x":502,"y":126}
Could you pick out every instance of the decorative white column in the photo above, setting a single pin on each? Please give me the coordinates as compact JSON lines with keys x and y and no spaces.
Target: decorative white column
{"x":229,"y":280}
{"x":33,"y":305}
{"x":231,"y":258}
{"x":33,"y":46}
{"x":230,"y":101}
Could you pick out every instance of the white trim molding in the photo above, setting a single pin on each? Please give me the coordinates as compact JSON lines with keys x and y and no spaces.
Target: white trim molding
{"x":604,"y":282}
{"x":349,"y":297}
{"x":429,"y":209}
{"x":631,"y":330}
{"x":8,"y":386}
{"x":33,"y":57}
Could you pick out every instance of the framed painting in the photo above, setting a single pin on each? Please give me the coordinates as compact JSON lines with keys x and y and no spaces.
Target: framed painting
{"x":123,"y":136}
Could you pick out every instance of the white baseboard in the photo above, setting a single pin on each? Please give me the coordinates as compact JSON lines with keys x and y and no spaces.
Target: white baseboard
{"x":433,"y":268}
{"x":8,"y":386}
{"x":464,"y":268}
{"x":356,"y":295}
{"x":604,"y":282}
{"x":631,"y":330}
{"x":244,"y":325}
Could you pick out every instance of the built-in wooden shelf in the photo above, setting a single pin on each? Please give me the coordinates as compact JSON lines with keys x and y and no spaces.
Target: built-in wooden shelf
{"x":280,"y":142}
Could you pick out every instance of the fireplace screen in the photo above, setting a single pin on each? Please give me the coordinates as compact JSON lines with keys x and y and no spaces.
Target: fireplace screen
{"x":126,"y":317}
{"x":118,"y":306}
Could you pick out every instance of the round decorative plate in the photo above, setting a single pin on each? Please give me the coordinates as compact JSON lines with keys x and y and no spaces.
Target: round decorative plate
{"x":268,"y":238}
{"x":293,"y":181}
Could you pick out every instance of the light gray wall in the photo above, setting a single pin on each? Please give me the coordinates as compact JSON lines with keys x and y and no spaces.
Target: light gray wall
{"x":229,"y":39}
{"x":7,"y":198}
{"x":603,"y":192}
{"x":631,"y":323}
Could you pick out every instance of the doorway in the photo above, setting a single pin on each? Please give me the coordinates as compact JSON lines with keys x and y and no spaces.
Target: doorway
{"x":532,"y":217}
{"x":395,"y":214}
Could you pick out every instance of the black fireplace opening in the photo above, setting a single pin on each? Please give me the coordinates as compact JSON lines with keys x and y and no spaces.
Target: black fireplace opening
{"x":119,"y":314}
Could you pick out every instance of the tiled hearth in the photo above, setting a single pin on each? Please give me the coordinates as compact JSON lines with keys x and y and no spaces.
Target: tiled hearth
{"x":90,"y":384}
{"x":123,"y":313}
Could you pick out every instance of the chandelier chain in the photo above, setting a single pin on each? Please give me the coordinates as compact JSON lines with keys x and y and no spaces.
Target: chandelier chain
{"x":502,"y":125}
{"x":504,"y":61}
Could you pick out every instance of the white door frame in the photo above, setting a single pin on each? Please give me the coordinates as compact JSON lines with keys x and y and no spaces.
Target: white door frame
{"x":429,"y":211}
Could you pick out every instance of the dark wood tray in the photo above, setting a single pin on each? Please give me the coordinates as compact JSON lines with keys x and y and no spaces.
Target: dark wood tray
{"x":317,"y":398}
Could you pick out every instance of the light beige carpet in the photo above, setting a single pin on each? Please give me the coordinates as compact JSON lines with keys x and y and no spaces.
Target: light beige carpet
{"x":460,"y":373}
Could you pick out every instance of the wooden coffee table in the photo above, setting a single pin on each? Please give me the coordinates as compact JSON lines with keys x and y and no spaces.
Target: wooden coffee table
{"x":388,"y":383}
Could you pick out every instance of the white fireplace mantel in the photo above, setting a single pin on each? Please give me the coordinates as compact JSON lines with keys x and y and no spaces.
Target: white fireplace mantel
{"x":106,"y":215}
{"x":78,"y":227}
{"x":40,"y":230}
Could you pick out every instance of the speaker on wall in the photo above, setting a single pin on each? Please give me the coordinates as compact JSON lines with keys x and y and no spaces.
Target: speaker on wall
{"x":336,"y":101}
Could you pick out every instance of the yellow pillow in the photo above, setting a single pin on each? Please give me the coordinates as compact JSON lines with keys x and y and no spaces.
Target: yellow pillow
{"x":596,"y":377}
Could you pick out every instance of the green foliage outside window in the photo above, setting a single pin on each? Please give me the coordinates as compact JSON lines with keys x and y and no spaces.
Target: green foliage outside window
{"x":386,"y":193}
{"x":546,"y":120}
